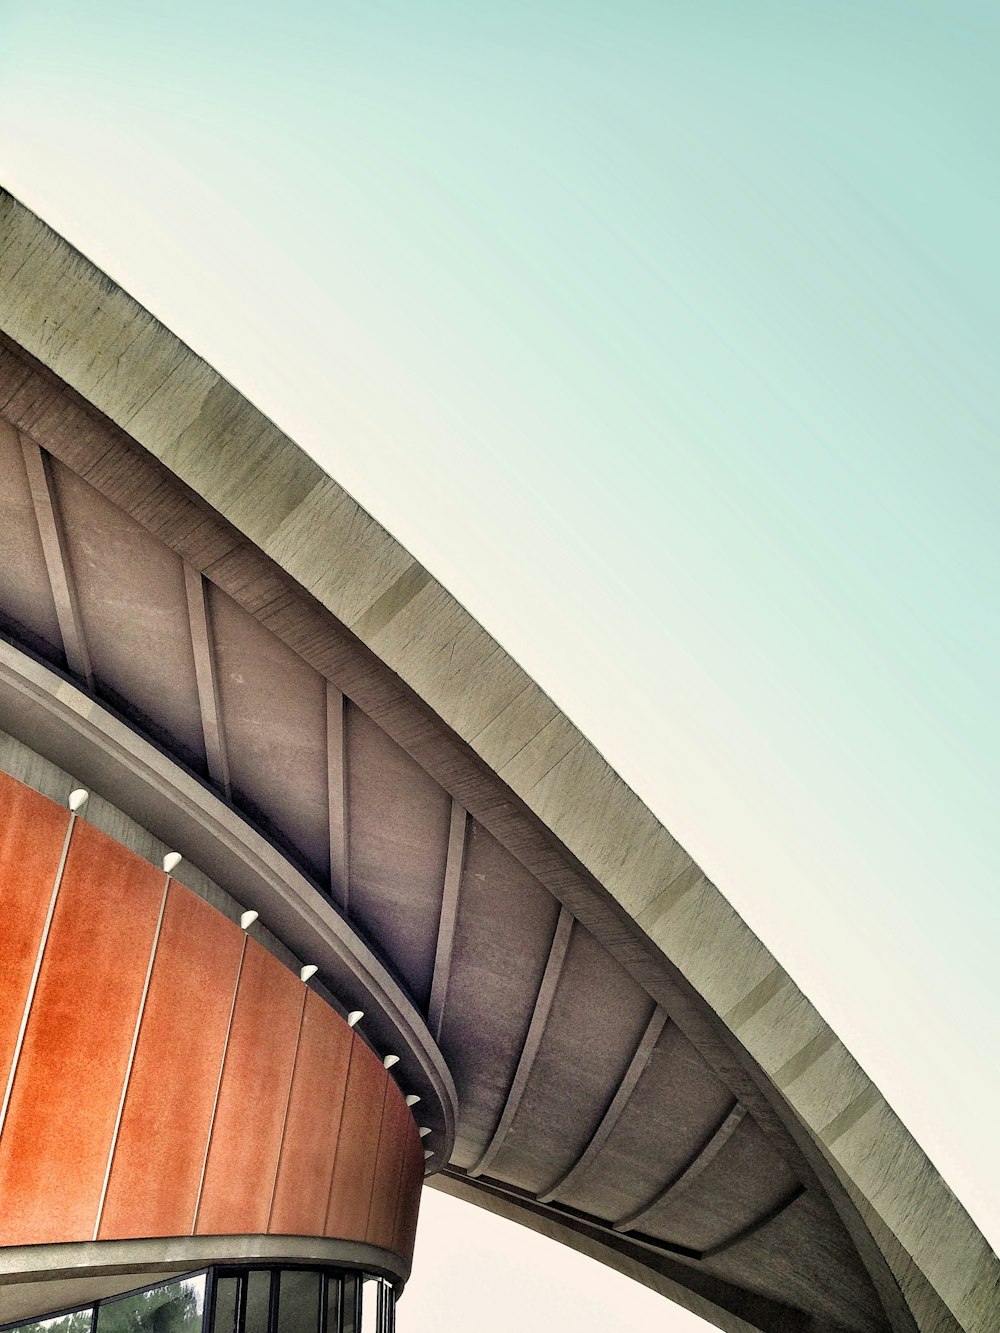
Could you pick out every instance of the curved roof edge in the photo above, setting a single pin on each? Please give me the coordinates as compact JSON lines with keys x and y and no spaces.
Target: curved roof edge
{"x":45,"y":711}
{"x":74,"y":320}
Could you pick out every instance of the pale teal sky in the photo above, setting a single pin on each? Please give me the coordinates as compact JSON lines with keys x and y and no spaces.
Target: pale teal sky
{"x":665,"y":335}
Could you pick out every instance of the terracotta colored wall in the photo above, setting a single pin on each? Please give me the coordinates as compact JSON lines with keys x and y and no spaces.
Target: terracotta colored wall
{"x":172,"y":1077}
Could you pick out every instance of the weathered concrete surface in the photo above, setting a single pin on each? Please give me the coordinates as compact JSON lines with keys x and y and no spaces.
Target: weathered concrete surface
{"x":96,"y":338}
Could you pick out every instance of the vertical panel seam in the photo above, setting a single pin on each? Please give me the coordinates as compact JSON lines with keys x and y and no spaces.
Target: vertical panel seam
{"x":378,"y":1146}
{"x":355,"y":1043}
{"x":33,"y":984}
{"x":407,"y":1177}
{"x":400,"y":1186}
{"x":399,"y":1147}
{"x":218,"y":1089}
{"x":131,"y":1058}
{"x":288,"y":1100}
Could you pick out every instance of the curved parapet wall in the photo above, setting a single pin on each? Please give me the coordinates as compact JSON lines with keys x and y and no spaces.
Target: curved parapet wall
{"x":163,"y":1075}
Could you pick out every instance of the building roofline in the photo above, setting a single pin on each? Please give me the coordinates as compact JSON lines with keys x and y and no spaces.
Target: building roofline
{"x":75,"y":321}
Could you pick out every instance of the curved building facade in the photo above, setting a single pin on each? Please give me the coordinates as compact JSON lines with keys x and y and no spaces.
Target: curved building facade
{"x":562,"y":1019}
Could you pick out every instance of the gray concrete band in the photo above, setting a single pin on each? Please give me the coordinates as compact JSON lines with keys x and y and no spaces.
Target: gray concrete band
{"x":38,"y":1279}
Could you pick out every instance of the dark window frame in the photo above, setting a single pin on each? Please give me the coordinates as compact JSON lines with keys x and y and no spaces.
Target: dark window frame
{"x":344,"y":1280}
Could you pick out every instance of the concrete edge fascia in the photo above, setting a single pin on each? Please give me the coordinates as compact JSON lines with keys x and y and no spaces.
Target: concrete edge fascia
{"x":42,"y":1263}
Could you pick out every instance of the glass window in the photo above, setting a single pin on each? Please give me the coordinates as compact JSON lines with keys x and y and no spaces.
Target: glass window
{"x":370,"y":1305}
{"x":258,"y":1301}
{"x":227,"y":1305}
{"x":333,"y":1285}
{"x":386,"y":1304}
{"x":349,"y":1306}
{"x":246,"y":1300}
{"x":175,"y":1307}
{"x":78,"y":1322}
{"x":298,"y":1302}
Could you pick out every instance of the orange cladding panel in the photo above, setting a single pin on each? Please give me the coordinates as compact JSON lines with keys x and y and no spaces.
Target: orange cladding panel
{"x":397,"y":1123}
{"x":56,"y":1140}
{"x":247,"y":1105}
{"x":165,"y":1126}
{"x":253,"y":1096}
{"x":32,"y":832}
{"x":312,"y":1125}
{"x":354,"y":1169}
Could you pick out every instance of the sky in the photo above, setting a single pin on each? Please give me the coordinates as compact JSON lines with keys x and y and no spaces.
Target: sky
{"x":664,"y":335}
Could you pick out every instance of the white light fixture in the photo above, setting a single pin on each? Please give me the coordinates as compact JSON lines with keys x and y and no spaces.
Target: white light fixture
{"x":247,"y":919}
{"x":355,"y":1017}
{"x":77,"y":799}
{"x":308,"y":971}
{"x":390,"y":1060}
{"x":171,"y":861}
{"x":424,"y":1130}
{"x":412,"y":1099}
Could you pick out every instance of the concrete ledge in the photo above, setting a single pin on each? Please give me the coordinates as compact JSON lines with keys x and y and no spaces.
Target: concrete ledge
{"x":39,"y":1279}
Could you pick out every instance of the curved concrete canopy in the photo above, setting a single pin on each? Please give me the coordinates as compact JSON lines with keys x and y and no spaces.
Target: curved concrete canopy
{"x":635,"y":1073}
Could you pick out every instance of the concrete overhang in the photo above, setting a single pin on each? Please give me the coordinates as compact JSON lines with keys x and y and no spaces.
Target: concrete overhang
{"x":634,"y":1072}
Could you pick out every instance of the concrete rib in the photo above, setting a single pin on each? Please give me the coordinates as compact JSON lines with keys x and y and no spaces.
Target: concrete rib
{"x":612,"y":1115}
{"x":536,"y":1030}
{"x":702,"y":1159}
